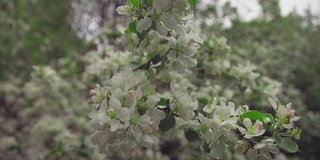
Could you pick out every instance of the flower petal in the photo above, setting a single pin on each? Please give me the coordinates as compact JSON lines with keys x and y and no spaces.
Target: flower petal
{"x":252,"y":154}
{"x":161,"y":30}
{"x":160,"y":5}
{"x":169,"y":22}
{"x":273,"y":103}
{"x":147,"y":141}
{"x":247,"y":122}
{"x":144,"y":24}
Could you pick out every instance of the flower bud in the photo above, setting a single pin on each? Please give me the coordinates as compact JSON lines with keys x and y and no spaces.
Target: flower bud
{"x":291,"y":113}
{"x":147,"y":129}
{"x":260,"y":125}
{"x":129,"y":94}
{"x":240,"y":147}
{"x":90,"y":101}
{"x":92,"y":92}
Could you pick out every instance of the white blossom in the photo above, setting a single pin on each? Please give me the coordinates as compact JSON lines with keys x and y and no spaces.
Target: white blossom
{"x":240,"y":147}
{"x":286,"y":116}
{"x":144,"y":24}
{"x":184,"y":105}
{"x":251,"y":130}
{"x":217,"y":150}
{"x":266,"y":146}
{"x":262,"y":150}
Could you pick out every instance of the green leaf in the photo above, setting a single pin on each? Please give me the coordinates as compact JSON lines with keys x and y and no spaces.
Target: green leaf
{"x":167,"y":123}
{"x":127,"y":30}
{"x":205,"y":147}
{"x":134,"y":2}
{"x":192,"y":2}
{"x":253,"y":115}
{"x":156,"y":59}
{"x":285,"y":144}
{"x":268,"y":115}
{"x":132,"y":27}
{"x":149,"y":74}
{"x":191,"y":135}
{"x":162,"y":102}
{"x":202,"y":102}
{"x":296,"y":133}
{"x":289,"y":145}
{"x":277,"y":138}
{"x":142,"y":35}
{"x":142,"y":110}
{"x":149,"y":2}
{"x":163,"y":41}
{"x":153,"y":26}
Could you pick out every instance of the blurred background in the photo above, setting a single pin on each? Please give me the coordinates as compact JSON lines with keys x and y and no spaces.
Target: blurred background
{"x":53,"y":52}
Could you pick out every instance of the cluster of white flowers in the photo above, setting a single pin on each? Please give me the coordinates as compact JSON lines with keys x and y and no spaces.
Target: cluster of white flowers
{"x":239,"y":77}
{"x":261,"y":150}
{"x":285,"y":114}
{"x":245,"y":74}
{"x":259,"y":145}
{"x":125,"y":111}
{"x":216,"y":126}
{"x":129,"y":114}
{"x":169,"y":19}
{"x":104,"y":65}
{"x":184,"y":105}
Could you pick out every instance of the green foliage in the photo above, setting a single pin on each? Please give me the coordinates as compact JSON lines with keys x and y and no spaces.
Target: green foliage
{"x":286,"y":144}
{"x":35,"y":33}
{"x":167,"y":123}
{"x":136,"y":3}
{"x":164,"y":102}
{"x":39,"y":67}
{"x":253,"y":115}
{"x":268,"y":115}
{"x":192,"y":2}
{"x":132,"y":27}
{"x":191,"y":135}
{"x":149,"y":2}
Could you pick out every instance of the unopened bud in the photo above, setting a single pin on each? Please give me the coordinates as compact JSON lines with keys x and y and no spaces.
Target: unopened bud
{"x":129,"y":94}
{"x":260,"y":125}
{"x":92,"y":92}
{"x":240,"y":147}
{"x":147,"y":129}
{"x":90,"y":101}
{"x":291,"y":113}
{"x":267,"y":120}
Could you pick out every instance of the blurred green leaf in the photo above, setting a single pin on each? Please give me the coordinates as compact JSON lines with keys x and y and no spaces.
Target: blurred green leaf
{"x":149,"y":2}
{"x":191,"y":135}
{"x":143,"y":34}
{"x":167,"y":123}
{"x":131,"y":27}
{"x":270,"y":116}
{"x":134,"y":2}
{"x":162,"y":102}
{"x":192,"y":2}
{"x":289,"y":145}
{"x":277,"y":138}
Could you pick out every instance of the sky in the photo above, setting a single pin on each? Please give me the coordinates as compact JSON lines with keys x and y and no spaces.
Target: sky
{"x":249,"y":9}
{"x":300,"y":5}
